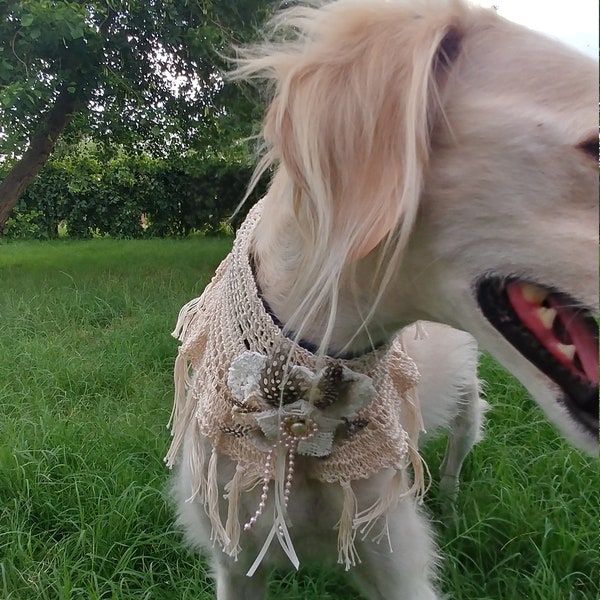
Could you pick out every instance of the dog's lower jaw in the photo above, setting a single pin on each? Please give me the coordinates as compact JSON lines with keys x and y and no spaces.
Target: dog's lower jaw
{"x":548,"y":395}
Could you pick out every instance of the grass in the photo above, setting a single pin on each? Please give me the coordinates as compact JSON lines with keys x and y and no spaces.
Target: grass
{"x":85,"y":392}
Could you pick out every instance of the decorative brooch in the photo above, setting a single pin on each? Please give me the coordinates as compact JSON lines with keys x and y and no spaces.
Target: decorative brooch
{"x":286,"y":410}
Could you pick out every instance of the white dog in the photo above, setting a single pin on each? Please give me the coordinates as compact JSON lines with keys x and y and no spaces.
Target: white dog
{"x":433,"y":162}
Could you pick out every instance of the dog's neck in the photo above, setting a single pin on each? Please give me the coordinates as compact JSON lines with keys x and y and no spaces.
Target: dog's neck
{"x":279,"y":251}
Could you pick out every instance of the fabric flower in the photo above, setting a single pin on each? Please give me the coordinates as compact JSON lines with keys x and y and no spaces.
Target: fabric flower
{"x":289,"y":403}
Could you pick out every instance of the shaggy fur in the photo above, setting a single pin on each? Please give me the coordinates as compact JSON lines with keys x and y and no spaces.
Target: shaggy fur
{"x":420,"y":145}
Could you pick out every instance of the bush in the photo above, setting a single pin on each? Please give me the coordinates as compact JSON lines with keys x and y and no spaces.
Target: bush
{"x":26,"y":225}
{"x":130,"y":196}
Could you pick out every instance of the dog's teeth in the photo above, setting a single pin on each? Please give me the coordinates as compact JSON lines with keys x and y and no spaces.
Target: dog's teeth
{"x":568,"y":350}
{"x":546,"y":316}
{"x":533,"y":293}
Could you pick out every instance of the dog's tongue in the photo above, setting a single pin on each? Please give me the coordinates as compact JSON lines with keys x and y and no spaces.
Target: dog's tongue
{"x":537,"y":319}
{"x":583,"y":340}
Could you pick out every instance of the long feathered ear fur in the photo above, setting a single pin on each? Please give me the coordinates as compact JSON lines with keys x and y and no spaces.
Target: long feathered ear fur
{"x":356,"y":89}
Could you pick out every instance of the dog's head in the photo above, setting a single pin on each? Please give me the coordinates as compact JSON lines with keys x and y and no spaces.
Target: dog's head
{"x":447,"y":160}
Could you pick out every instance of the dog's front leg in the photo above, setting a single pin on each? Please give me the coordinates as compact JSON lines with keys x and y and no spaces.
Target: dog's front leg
{"x":406,"y":573}
{"x":232,"y":582}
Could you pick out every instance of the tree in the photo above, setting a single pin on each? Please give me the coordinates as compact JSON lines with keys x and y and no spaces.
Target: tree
{"x":143,"y":73}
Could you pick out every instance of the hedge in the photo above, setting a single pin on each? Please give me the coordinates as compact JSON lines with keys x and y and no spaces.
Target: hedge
{"x":130,"y":196}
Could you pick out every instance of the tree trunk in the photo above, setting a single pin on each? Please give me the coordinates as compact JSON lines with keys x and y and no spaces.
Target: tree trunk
{"x":35,"y":157}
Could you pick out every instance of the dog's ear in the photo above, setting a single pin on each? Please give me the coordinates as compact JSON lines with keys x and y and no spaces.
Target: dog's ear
{"x":351,"y":118}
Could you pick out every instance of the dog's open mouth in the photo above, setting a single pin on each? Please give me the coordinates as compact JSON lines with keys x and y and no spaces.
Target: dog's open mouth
{"x":554,"y":332}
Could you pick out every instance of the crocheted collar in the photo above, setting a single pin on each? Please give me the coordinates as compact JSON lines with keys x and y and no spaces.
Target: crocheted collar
{"x":261,"y":400}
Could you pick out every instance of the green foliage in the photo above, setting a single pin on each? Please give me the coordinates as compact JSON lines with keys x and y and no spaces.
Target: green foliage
{"x":95,"y":196}
{"x":47,"y":45}
{"x":26,"y":225}
{"x":142,"y":76}
{"x":145,"y":74}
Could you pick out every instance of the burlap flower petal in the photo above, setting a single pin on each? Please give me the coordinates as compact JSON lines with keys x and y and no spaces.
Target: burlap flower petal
{"x":243,"y":378}
{"x":356,"y":391}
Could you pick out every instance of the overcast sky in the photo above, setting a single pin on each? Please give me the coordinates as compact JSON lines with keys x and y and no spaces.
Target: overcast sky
{"x":573,"y":21}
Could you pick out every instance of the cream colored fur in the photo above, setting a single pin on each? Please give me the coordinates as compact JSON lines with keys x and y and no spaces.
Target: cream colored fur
{"x":419,"y":144}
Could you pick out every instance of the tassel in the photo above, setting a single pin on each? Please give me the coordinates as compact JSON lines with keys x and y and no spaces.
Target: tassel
{"x":420,"y":331}
{"x":190,"y":310}
{"x":414,"y":427}
{"x":421,"y":474}
{"x":197,"y":463}
{"x":218,"y":534}
{"x":250,"y":481}
{"x":367,"y":518}
{"x":347,"y":554}
{"x":186,"y":316}
{"x":232,"y":525}
{"x":412,"y":420}
{"x":184,"y":405}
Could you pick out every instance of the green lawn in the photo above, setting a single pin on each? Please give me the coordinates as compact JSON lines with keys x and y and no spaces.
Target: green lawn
{"x":85,"y":393}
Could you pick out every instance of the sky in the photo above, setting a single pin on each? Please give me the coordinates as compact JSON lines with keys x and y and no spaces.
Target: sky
{"x":573,"y":21}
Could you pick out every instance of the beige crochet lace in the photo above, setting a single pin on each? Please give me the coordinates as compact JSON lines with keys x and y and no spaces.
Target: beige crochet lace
{"x":230,"y":321}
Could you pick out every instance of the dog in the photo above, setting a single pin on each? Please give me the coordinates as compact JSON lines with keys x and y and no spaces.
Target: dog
{"x":435,"y":187}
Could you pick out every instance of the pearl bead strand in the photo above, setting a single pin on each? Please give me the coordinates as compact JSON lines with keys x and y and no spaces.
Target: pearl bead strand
{"x":292,"y":432}
{"x":265,"y":489}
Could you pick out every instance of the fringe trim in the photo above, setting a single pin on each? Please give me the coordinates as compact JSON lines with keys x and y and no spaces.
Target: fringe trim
{"x":397,"y":490}
{"x":368,"y":517}
{"x":184,"y":319}
{"x":233,"y":528}
{"x":218,"y":534}
{"x":415,"y":424}
{"x":347,"y":554}
{"x":421,"y":474}
{"x":190,"y":330}
{"x":197,"y":463}
{"x":420,"y":331}
{"x":184,"y":404}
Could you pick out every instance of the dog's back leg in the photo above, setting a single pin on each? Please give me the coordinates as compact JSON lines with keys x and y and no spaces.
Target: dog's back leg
{"x":464,"y":432}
